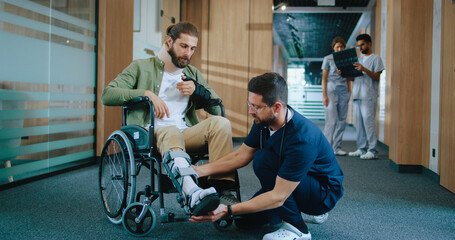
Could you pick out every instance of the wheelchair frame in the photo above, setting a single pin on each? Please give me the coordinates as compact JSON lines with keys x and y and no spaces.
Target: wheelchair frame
{"x":122,"y":158}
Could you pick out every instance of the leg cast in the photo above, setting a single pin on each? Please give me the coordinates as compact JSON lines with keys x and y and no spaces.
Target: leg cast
{"x":197,"y":201}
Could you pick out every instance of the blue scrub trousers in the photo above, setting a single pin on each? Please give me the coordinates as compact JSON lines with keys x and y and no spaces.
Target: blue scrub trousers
{"x":308,"y":198}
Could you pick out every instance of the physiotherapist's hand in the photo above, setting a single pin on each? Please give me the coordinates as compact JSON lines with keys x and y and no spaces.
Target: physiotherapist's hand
{"x":359,"y":67}
{"x":325,"y":101}
{"x":160,"y":106}
{"x":186,"y":87}
{"x":338,"y":71}
{"x":220,"y":212}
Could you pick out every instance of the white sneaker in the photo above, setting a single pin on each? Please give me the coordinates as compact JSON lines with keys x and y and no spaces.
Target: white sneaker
{"x":319,"y":219}
{"x":340,"y":152}
{"x":368,"y":156}
{"x":287,"y":232}
{"x":357,"y":153}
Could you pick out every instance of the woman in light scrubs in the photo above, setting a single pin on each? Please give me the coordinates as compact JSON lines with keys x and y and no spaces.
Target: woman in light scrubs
{"x":336,"y":92}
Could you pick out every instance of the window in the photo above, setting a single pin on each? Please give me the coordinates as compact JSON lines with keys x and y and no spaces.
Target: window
{"x":47,"y":86}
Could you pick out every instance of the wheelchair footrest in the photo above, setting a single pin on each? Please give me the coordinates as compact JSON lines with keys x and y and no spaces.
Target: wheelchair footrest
{"x":167,"y":218}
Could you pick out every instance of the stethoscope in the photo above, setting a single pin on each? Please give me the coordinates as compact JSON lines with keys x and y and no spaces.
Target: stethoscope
{"x":282,"y":137}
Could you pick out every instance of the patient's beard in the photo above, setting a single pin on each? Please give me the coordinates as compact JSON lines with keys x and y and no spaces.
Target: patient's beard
{"x":180,"y":62}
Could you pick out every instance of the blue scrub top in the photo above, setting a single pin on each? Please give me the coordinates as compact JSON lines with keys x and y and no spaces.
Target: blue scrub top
{"x":305,"y":151}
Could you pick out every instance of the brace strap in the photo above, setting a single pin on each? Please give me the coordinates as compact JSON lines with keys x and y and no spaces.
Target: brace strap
{"x":179,"y":172}
{"x":188,"y":171}
{"x":171,"y":155}
{"x":188,"y":199}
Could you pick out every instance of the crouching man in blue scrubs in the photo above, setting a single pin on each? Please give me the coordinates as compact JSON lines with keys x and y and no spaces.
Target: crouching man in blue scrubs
{"x":292,"y":159}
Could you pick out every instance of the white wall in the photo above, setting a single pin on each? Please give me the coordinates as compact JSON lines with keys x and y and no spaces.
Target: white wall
{"x":149,"y":36}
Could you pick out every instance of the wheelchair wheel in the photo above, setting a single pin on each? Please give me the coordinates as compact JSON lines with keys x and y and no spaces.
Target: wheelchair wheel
{"x":223,"y":225}
{"x":139,"y":227}
{"x":117,"y":179}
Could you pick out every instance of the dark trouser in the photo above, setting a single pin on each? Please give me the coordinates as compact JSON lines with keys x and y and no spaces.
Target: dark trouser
{"x":309,"y":197}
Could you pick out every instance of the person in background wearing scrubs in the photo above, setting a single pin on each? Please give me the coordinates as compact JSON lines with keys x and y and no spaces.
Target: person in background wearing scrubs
{"x":336,"y":91}
{"x":292,"y":159}
{"x":365,"y":96}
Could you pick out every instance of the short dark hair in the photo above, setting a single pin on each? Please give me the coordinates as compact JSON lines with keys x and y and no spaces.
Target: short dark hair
{"x":338,"y":40}
{"x":365,"y":37}
{"x":271,"y":86}
{"x":174,"y":31}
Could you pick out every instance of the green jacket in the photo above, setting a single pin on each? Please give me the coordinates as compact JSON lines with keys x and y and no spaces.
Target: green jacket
{"x":145,"y":74}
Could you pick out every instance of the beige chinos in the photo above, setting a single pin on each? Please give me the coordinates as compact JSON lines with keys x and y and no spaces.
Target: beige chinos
{"x":214,"y":131}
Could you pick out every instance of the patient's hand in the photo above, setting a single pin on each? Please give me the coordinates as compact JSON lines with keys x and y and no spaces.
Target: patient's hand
{"x":186,"y":87}
{"x":160,"y":106}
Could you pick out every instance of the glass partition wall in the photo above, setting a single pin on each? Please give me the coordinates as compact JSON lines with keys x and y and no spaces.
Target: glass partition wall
{"x":305,"y":89}
{"x":47,"y":86}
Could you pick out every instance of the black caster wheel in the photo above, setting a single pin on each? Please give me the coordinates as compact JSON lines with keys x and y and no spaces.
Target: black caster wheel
{"x":139,"y":226}
{"x":223,"y":225}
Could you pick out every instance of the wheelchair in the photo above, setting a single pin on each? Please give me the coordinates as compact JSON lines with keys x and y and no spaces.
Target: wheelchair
{"x":124,"y":154}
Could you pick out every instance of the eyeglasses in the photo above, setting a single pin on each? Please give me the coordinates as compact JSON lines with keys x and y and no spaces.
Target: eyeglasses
{"x":256,"y":109}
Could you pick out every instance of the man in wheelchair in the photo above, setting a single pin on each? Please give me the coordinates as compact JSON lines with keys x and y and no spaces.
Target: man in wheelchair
{"x":176,"y":90}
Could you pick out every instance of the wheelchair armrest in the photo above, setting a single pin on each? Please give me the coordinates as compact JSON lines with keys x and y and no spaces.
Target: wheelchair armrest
{"x":135,"y":103}
{"x":142,"y":100}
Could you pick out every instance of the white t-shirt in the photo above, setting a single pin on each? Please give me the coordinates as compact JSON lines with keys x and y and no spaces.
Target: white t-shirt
{"x":364,"y":87}
{"x":288,"y":118}
{"x":175,"y":101}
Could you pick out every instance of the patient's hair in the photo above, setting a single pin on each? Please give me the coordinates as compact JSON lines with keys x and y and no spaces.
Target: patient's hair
{"x":174,"y":31}
{"x":271,"y":86}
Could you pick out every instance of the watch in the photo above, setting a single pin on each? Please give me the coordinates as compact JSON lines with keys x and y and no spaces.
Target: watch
{"x":230,"y":215}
